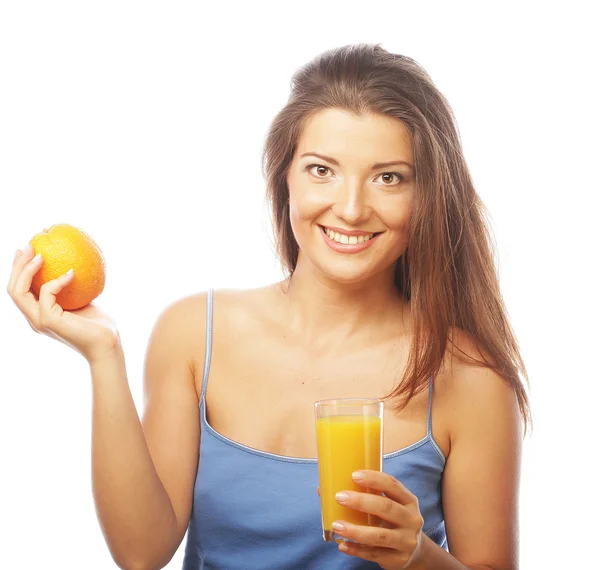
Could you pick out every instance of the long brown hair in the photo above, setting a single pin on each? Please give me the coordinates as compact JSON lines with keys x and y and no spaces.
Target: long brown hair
{"x":447,"y":273}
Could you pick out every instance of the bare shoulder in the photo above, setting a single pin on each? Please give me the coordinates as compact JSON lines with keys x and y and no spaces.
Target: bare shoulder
{"x":474,"y":393}
{"x":237,"y":309}
{"x":184,"y":321}
{"x":244,"y":311}
{"x":236,"y":312}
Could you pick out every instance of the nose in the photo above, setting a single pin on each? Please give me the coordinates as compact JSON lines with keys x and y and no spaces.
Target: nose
{"x":351,"y":204}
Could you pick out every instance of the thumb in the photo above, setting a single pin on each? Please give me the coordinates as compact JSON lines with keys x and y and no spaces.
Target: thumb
{"x":50,"y":311}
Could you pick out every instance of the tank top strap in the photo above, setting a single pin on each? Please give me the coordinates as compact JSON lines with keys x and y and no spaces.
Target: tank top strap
{"x":209,"y":314}
{"x":429,"y":407}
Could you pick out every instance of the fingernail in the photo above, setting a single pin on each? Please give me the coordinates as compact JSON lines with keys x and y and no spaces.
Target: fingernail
{"x":36,"y":258}
{"x":27,"y":249}
{"x":337,"y":525}
{"x":16,"y":253}
{"x":358,"y":475}
{"x":341,"y":497}
{"x":69,"y":272}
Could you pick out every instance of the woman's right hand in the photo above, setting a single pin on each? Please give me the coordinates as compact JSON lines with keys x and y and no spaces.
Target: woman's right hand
{"x":87,"y":330}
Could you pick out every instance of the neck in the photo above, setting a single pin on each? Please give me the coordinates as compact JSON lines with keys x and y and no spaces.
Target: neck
{"x":323,"y":308}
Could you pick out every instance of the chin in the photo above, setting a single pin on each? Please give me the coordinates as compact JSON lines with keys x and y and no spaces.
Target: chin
{"x":349,"y":272}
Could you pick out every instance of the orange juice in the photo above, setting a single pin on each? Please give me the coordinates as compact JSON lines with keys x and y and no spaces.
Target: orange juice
{"x":346,"y":443}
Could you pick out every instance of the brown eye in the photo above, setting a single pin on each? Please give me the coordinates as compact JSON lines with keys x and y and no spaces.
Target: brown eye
{"x":400,"y":176}
{"x":319,"y":166}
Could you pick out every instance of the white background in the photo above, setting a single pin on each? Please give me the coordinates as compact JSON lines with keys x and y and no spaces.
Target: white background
{"x":143,"y":122}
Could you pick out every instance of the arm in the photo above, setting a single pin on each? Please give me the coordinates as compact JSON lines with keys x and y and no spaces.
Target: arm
{"x":480,"y":487}
{"x":143,"y":472}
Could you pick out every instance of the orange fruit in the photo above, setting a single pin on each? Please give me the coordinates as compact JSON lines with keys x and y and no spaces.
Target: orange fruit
{"x":64,"y":247}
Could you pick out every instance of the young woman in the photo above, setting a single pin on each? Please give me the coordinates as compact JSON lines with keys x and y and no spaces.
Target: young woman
{"x":392,"y":292}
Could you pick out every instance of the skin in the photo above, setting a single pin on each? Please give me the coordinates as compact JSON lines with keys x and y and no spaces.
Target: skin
{"x":337,"y":328}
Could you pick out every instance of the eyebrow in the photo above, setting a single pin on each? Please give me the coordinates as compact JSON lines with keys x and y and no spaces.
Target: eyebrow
{"x":375,"y":166}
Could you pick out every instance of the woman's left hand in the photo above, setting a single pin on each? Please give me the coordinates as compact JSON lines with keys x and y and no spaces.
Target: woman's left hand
{"x":397,"y":543}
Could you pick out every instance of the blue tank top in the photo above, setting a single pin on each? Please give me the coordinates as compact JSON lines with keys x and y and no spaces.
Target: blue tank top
{"x":254,"y":510}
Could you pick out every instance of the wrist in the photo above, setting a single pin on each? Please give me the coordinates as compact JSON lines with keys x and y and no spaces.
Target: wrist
{"x":419,"y":559}
{"x":114,"y":353}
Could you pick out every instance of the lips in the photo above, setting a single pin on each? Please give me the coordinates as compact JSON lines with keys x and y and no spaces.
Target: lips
{"x":344,"y":238}
{"x":348,"y":241}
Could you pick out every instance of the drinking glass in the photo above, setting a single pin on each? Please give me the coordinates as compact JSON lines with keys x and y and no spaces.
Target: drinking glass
{"x":349,"y":438}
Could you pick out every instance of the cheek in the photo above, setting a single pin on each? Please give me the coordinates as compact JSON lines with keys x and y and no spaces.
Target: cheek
{"x":296,"y":216}
{"x":301,"y":217}
{"x":395,"y":215}
{"x":299,"y":208}
{"x":306,"y":205}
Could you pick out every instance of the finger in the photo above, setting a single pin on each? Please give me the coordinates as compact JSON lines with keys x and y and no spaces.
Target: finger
{"x":26,"y":266}
{"x":50,"y":310}
{"x":20,"y":289}
{"x":386,"y":483}
{"x":385,"y":508}
{"x":21,"y":259}
{"x":368,"y":535}
{"x":17,"y":254}
{"x":383,"y":556}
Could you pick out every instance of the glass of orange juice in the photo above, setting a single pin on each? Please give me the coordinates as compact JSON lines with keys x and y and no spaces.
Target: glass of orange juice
{"x":349,"y":438}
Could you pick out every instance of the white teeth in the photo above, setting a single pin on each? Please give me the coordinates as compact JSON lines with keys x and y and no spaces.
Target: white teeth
{"x":349,"y":240}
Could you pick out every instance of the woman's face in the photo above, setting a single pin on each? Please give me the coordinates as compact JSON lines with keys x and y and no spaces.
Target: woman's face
{"x":348,"y":216}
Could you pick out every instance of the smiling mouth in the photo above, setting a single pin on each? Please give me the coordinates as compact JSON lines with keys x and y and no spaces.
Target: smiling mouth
{"x":346,"y":239}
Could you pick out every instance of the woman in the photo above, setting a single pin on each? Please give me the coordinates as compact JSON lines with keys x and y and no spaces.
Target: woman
{"x":392,"y":292}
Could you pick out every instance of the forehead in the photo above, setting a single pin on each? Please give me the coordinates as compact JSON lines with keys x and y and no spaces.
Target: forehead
{"x":372,"y":137}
